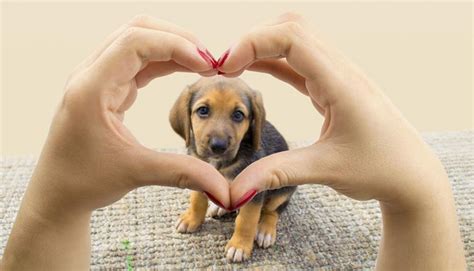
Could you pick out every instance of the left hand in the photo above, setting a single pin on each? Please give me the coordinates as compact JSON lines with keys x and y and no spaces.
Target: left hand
{"x":90,"y":159}
{"x":90,"y":156}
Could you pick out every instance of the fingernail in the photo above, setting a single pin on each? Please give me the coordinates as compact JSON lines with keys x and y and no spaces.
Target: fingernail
{"x":245,"y":198}
{"x":219,"y":72}
{"x":223,"y":58}
{"x":207,"y":58}
{"x":213,"y":199}
{"x":213,"y":60}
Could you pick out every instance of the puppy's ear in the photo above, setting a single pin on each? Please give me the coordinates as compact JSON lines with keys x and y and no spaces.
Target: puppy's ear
{"x":180,"y":115}
{"x":258,"y":118}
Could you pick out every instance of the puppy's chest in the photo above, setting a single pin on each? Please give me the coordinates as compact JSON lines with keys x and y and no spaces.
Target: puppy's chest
{"x":229,"y":171}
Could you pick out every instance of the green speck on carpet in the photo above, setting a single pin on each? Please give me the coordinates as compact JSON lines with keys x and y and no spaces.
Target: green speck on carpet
{"x":128,"y":261}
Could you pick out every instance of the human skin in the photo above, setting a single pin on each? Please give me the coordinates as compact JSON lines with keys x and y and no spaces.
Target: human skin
{"x":366,"y":149}
{"x":91,"y":160}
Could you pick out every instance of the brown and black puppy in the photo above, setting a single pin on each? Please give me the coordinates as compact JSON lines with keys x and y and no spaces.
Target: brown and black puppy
{"x":223,"y":123}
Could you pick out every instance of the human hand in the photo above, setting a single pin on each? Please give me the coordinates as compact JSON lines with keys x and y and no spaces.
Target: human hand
{"x":91,"y":159}
{"x":364,"y":138}
{"x":366,"y":149}
{"x":94,"y":157}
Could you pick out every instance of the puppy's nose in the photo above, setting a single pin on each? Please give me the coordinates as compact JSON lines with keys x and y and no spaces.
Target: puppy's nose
{"x":218,"y":145}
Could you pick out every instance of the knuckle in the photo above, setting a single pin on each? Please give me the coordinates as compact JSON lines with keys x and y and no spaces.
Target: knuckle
{"x":251,"y":38}
{"x":182,"y":181}
{"x":140,"y":20}
{"x":293,"y":27}
{"x":278,"y":178}
{"x":129,"y":35}
{"x":72,"y":100}
{"x":78,"y":93}
{"x":292,"y":16}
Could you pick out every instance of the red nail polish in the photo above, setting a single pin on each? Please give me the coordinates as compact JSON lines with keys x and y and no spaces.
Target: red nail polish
{"x":213,"y":60}
{"x":245,"y":198}
{"x":213,"y":199}
{"x":219,"y":72}
{"x":206,"y":57}
{"x":223,"y":58}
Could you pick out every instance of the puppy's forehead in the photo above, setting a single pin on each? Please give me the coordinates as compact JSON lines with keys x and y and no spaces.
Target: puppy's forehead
{"x":222,"y":91}
{"x":220,"y":82}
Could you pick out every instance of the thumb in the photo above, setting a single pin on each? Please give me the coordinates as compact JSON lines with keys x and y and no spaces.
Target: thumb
{"x":300,"y":166}
{"x":183,"y":171}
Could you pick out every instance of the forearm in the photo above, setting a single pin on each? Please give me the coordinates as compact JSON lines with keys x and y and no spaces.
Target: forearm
{"x":425,"y":239}
{"x":38,"y":242}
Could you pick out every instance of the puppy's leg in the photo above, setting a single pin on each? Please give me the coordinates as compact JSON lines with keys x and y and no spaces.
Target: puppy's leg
{"x":240,"y":246}
{"x":194,"y":215}
{"x":266,"y":231}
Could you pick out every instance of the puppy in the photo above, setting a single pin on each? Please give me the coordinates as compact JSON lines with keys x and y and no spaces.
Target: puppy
{"x":223,"y":123}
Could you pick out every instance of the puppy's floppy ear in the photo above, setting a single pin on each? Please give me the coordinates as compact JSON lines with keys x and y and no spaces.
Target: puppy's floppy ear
{"x":258,"y":118}
{"x":180,"y":115}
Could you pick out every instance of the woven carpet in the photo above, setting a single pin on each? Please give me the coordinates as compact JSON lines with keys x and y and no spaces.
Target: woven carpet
{"x":320,"y":229}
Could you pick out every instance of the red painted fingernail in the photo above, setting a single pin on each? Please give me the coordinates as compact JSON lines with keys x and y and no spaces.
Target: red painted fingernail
{"x":207,"y":58}
{"x":223,"y":58}
{"x":219,"y":72}
{"x":213,"y":199}
{"x":213,"y":60}
{"x":245,"y":198}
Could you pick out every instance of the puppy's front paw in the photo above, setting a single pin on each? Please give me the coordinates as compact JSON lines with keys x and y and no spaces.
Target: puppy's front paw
{"x":189,"y":222}
{"x":266,"y":234}
{"x":215,"y":211}
{"x":238,"y":249}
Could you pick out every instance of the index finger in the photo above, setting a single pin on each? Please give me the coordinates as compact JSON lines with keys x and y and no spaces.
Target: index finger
{"x":137,"y":47}
{"x":288,"y":39}
{"x":143,"y":21}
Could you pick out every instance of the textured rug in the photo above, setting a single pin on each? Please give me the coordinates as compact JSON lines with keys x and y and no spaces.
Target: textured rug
{"x":320,"y":229}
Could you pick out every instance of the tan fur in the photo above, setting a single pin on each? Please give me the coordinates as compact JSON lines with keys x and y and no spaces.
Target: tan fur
{"x":246,"y":228}
{"x":269,"y":216}
{"x":222,"y":102}
{"x":274,"y":202}
{"x":268,"y":223}
{"x":258,"y":118}
{"x":196,"y":213}
{"x":179,"y":116}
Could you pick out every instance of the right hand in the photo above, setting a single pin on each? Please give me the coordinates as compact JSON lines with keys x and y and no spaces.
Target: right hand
{"x":366,"y":149}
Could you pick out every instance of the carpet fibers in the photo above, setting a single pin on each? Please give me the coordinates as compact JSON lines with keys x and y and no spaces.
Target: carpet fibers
{"x":320,"y":229}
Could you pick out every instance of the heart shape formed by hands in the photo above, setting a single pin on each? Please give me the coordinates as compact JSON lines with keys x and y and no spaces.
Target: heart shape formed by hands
{"x":366,"y":148}
{"x":107,"y":83}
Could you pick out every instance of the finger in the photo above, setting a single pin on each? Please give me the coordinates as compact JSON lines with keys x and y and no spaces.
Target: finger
{"x":143,"y":21}
{"x":137,"y":47}
{"x":183,"y":171}
{"x":280,"y":69}
{"x":313,"y":164}
{"x":159,"y":69}
{"x":303,"y":52}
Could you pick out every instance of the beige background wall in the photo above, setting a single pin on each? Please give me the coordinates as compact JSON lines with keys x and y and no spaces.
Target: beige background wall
{"x":419,"y":53}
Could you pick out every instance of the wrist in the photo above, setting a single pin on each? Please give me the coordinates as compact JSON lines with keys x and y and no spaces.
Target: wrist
{"x":424,"y":233}
{"x":63,"y":242}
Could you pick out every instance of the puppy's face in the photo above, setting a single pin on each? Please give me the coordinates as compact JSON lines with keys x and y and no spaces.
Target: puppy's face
{"x":215,"y":114}
{"x":220,"y":118}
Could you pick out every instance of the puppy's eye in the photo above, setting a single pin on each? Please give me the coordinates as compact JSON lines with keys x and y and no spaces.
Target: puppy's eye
{"x":238,"y":116}
{"x":203,"y":111}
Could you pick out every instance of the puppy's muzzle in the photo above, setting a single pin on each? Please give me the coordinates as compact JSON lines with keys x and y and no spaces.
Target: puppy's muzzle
{"x":218,"y":145}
